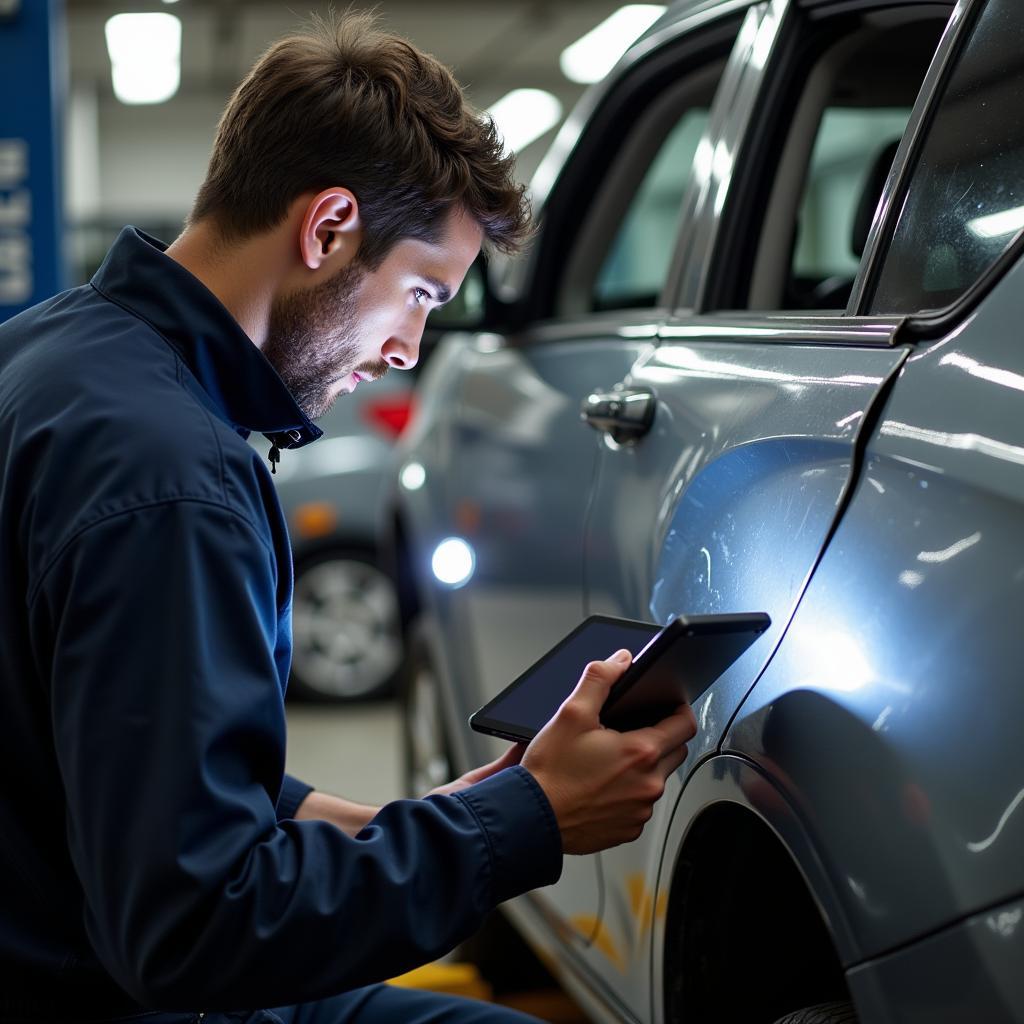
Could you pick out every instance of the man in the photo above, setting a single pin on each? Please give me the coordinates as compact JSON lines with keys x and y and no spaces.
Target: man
{"x":155,"y":856}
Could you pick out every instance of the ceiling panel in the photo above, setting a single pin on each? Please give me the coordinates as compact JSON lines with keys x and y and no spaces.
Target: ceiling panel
{"x":493,"y":45}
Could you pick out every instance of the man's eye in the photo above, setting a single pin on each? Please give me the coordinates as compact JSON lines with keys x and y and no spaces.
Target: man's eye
{"x":421,"y":295}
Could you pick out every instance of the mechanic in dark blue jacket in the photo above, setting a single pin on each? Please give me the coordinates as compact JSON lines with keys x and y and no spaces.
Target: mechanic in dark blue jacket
{"x":154,"y":855}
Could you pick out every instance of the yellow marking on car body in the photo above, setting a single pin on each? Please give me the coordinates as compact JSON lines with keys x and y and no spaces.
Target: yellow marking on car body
{"x":588,"y":925}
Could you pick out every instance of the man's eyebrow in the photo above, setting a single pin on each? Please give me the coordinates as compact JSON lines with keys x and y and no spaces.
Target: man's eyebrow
{"x":442,"y":293}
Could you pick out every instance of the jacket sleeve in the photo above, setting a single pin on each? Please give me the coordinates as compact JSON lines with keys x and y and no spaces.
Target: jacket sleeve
{"x":155,"y":629}
{"x":293,"y":792}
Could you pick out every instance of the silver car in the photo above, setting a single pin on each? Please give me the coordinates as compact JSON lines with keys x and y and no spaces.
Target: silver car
{"x":766,"y":353}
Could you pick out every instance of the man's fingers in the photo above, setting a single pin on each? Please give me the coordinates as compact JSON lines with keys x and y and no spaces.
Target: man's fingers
{"x":598,"y":677}
{"x":672,"y":760}
{"x":511,"y":757}
{"x":673,"y":732}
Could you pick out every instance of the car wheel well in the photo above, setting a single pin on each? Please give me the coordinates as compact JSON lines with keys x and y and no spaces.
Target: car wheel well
{"x":742,"y":928}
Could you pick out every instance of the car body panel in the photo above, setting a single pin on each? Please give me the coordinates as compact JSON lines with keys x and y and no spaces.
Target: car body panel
{"x":906,"y":650}
{"x":969,"y":972}
{"x":724,"y":506}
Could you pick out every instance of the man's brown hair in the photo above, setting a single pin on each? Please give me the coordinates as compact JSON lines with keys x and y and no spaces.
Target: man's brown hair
{"x":346,"y":104}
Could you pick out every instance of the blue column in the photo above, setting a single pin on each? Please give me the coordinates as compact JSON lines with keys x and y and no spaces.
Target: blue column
{"x":32,"y":95}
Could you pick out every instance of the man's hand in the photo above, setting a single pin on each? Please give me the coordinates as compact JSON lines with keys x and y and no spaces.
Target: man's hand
{"x":511,"y":757}
{"x":603,"y":784}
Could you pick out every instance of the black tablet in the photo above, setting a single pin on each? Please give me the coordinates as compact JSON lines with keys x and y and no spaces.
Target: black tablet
{"x":522,"y":708}
{"x":678,"y":665}
{"x":671,"y":665}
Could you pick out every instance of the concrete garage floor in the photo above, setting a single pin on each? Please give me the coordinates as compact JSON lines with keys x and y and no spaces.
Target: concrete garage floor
{"x":354,"y":751}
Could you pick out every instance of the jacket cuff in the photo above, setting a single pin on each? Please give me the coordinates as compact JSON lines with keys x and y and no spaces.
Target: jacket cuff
{"x":522,"y":833}
{"x":293,"y":792}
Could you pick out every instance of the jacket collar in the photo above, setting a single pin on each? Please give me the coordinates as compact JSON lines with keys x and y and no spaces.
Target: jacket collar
{"x":239,"y":380}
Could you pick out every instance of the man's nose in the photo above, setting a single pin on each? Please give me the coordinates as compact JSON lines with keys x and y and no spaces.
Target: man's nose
{"x":401,"y":351}
{"x":403,"y":358}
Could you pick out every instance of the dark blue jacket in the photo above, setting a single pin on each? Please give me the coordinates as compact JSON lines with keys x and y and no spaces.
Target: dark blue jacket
{"x":147,"y":849}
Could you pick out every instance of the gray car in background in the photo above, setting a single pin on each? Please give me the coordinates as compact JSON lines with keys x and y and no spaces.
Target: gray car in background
{"x":765,"y":354}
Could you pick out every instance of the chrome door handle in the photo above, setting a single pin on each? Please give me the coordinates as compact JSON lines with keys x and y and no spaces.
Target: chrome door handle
{"x":624,"y":413}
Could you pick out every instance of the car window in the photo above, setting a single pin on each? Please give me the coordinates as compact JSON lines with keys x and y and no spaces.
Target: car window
{"x":804,"y":224}
{"x":635,"y":268}
{"x":965,"y":204}
{"x":621,"y":255}
{"x":852,"y":155}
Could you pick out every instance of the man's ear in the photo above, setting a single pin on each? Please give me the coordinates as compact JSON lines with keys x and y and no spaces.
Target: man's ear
{"x":331,"y":230}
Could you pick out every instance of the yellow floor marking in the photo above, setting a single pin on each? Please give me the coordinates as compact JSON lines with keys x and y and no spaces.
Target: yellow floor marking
{"x":462,"y":979}
{"x":453,"y":978}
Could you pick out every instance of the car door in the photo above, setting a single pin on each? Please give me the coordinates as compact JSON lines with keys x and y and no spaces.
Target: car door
{"x":520,"y":478}
{"x":920,"y":589}
{"x":760,"y":385}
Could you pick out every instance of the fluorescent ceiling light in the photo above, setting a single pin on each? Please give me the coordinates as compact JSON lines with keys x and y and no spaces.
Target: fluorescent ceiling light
{"x":524,"y":115}
{"x":145,"y":56}
{"x":995,"y":225}
{"x":592,"y":56}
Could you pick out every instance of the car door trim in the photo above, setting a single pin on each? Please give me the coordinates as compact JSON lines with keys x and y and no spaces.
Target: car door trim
{"x":927,"y":326}
{"x":796,"y":329}
{"x":643,"y":325}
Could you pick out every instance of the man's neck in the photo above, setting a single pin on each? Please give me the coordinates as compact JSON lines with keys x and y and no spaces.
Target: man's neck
{"x":245,"y":275}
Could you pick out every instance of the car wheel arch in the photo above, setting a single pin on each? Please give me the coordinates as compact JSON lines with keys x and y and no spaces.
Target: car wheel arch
{"x":742,"y":896}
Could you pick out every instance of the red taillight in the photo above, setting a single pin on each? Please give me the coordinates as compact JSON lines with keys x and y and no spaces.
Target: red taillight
{"x":389,"y":415}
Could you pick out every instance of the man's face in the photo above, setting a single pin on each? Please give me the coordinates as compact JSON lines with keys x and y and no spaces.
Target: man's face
{"x":325,"y":340}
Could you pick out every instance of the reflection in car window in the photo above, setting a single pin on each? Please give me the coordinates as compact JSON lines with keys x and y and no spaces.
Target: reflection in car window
{"x":966,"y":199}
{"x":637,"y":263}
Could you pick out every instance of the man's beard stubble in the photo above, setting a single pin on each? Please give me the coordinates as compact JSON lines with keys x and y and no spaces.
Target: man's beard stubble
{"x":312,"y":340}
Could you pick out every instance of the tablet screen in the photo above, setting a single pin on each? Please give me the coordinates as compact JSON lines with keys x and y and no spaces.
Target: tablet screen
{"x":536,"y":695}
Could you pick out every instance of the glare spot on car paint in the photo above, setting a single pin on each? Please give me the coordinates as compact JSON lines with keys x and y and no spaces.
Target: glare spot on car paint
{"x":1005,"y":922}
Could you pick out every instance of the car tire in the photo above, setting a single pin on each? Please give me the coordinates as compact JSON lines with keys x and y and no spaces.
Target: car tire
{"x":427,"y":758}
{"x":346,"y":627}
{"x":823,"y":1013}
